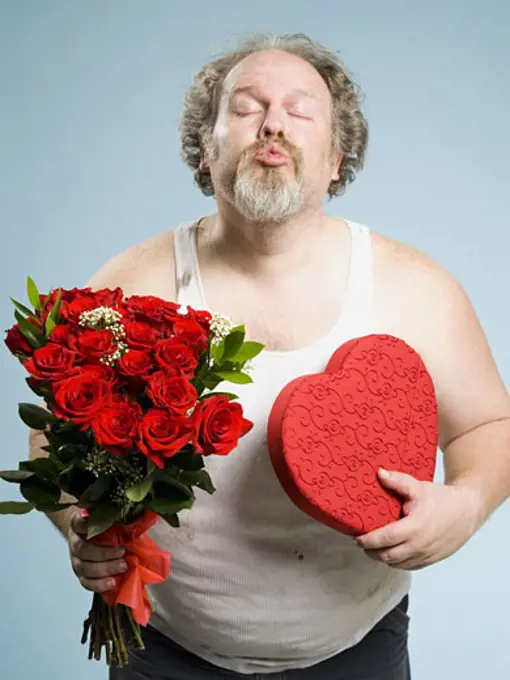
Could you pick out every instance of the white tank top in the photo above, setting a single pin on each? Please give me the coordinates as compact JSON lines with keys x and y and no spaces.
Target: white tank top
{"x":256,"y":585}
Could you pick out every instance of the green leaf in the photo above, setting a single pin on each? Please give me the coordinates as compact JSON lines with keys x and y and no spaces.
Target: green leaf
{"x":24,"y":310}
{"x":75,"y":481}
{"x":172,"y":520}
{"x":68,"y":452}
{"x":233,"y":342}
{"x":31,"y":332}
{"x":237,"y":377}
{"x":167,"y":486}
{"x":219,"y":394}
{"x":33,"y":294}
{"x":165,"y":506}
{"x":53,"y":315}
{"x":137,"y":492}
{"x":36,"y":417}
{"x":217,"y":350}
{"x":188,"y":460}
{"x":199,"y":478}
{"x":15,"y":476}
{"x":49,"y":325}
{"x":45,"y":468}
{"x":249,"y":350}
{"x":57,"y":507}
{"x":39,"y":492}
{"x":93,"y":494}
{"x":211,"y":381}
{"x":102,"y":518}
{"x":40,"y":389}
{"x":15,"y":507}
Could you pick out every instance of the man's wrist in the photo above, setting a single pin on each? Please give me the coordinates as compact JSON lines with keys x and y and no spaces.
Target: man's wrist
{"x":475,"y":500}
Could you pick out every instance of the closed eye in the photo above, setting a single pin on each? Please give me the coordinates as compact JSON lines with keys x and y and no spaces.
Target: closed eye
{"x":245,"y":113}
{"x":299,"y":114}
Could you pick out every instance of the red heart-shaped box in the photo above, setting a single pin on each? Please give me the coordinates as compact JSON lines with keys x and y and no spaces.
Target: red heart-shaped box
{"x":329,"y":433}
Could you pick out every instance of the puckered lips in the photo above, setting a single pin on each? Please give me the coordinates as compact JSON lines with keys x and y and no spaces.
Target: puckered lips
{"x":272,"y":155}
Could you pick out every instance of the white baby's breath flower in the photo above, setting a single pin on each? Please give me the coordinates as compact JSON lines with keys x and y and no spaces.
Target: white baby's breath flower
{"x":220,"y":326}
{"x":100,"y":317}
{"x":182,"y":310}
{"x":106,"y":318}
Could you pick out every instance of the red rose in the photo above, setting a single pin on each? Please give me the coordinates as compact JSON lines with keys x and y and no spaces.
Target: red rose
{"x":47,"y":301}
{"x":191,"y":334}
{"x":77,"y":300}
{"x":141,"y":335}
{"x":135,"y":362}
{"x":106,"y":297}
{"x":172,"y":313}
{"x":17,"y":343}
{"x":218,"y":425}
{"x":80,"y":398}
{"x":174,"y":393}
{"x":72,"y":310}
{"x":149,"y":307}
{"x":60,"y":334}
{"x":202,"y":316}
{"x":175,"y":358}
{"x":93,"y":343}
{"x":99,"y":370}
{"x":161,"y":435}
{"x":66,"y":295}
{"x":51,"y":362}
{"x":115,"y":427}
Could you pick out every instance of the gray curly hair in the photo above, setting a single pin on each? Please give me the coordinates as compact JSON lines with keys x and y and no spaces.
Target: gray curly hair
{"x":350,"y":129}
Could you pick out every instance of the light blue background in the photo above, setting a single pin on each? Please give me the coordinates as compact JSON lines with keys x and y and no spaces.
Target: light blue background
{"x":91,"y":93}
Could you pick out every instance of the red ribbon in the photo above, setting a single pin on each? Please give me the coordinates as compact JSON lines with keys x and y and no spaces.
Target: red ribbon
{"x":147,"y":565}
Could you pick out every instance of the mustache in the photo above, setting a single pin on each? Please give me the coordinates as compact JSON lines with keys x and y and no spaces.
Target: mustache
{"x":293,"y":151}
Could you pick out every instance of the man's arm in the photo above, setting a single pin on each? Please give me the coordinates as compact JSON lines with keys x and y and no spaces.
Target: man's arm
{"x":434,"y":315}
{"x":474,"y":404}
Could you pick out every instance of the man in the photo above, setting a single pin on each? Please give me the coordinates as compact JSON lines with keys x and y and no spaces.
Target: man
{"x":257,"y":587}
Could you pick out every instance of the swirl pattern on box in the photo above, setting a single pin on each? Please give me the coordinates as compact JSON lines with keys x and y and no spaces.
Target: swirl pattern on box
{"x":329,"y":433}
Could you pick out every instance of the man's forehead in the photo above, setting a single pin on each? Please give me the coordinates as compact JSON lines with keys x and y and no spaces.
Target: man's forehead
{"x":275,"y":70}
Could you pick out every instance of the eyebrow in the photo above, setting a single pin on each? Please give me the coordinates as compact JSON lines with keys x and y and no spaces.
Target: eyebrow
{"x":252,"y":90}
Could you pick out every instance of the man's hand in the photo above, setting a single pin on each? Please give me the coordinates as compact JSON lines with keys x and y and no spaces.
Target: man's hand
{"x":94,"y":565}
{"x":438,"y":520}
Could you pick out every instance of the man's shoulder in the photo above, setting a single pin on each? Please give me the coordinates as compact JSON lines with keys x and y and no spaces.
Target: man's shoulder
{"x":415,"y":294}
{"x":397,"y":263}
{"x":139,"y":268}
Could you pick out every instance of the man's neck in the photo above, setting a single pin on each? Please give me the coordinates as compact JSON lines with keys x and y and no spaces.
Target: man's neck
{"x":263,"y":249}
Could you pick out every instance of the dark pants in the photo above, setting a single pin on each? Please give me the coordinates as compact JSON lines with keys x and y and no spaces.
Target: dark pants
{"x":381,"y":655}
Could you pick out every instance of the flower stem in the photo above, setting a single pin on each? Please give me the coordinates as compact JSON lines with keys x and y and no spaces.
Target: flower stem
{"x":97,"y":629}
{"x":113,"y":635}
{"x":135,"y":627}
{"x":122,"y":647}
{"x":113,"y":628}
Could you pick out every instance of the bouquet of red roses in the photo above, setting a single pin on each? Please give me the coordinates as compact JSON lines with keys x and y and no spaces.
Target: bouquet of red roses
{"x":131,"y":411}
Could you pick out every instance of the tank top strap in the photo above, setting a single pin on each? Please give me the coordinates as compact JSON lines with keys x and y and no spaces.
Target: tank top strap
{"x":359,"y":315}
{"x":188,"y":287}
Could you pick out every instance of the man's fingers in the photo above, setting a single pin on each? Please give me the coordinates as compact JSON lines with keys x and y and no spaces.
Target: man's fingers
{"x":78,"y":524}
{"x":388,"y":536}
{"x":391,"y":556}
{"x":97,"y":585}
{"x":91,"y":552}
{"x":98,"y":570}
{"x":403,"y":484}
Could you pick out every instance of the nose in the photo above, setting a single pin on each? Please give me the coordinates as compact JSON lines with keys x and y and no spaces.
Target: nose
{"x":273,"y":125}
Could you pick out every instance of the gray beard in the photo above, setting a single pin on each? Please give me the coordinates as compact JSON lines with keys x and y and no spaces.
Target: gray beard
{"x":268,"y":198}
